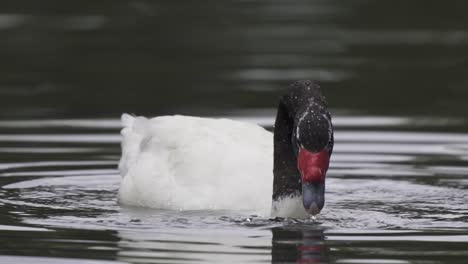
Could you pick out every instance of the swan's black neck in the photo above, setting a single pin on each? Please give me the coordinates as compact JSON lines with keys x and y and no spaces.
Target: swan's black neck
{"x":302,"y":121}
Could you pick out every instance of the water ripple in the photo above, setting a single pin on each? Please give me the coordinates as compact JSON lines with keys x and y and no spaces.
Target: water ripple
{"x":384,"y":186}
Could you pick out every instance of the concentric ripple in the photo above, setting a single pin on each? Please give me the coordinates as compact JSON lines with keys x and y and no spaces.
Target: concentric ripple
{"x":390,"y":185}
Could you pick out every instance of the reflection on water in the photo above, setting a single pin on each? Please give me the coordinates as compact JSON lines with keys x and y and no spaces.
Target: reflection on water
{"x":303,"y":244}
{"x":393,"y":192}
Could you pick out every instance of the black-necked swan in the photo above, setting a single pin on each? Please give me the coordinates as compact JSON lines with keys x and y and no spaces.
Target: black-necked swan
{"x":193,"y":163}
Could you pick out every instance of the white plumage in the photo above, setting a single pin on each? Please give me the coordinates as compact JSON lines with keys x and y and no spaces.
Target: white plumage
{"x":190,"y":163}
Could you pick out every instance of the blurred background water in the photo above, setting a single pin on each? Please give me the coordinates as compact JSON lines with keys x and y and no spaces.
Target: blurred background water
{"x":394,"y":73}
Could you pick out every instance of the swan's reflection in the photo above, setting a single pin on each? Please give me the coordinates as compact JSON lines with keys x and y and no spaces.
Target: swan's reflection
{"x":203,"y":236}
{"x":298,"y":243}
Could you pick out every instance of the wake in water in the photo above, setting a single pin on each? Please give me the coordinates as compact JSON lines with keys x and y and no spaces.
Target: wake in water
{"x":374,"y":182}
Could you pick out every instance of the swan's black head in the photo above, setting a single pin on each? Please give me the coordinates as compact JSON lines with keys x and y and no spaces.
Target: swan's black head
{"x":310,"y":136}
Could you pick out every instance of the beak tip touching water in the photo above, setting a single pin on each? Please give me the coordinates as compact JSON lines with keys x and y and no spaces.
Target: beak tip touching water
{"x":313,"y":209}
{"x":313,"y":197}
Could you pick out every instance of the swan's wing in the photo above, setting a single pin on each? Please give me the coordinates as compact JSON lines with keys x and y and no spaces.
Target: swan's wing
{"x":181,"y":162}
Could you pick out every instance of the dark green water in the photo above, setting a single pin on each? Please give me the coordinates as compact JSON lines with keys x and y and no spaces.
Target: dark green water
{"x":394,"y":73}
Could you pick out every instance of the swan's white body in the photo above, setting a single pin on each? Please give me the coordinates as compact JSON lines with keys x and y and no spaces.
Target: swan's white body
{"x":191,"y":163}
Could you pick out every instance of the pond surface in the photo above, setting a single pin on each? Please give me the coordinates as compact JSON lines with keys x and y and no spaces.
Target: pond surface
{"x":394,"y":73}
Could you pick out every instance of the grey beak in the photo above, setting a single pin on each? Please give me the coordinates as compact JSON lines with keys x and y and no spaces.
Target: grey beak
{"x":313,"y":197}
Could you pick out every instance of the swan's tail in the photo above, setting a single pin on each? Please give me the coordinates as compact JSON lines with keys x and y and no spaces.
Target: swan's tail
{"x":133,"y":132}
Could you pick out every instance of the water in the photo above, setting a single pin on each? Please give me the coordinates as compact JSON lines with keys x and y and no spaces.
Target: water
{"x":394,"y":73}
{"x":396,"y":194}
